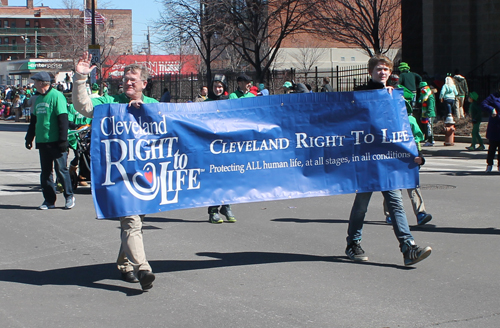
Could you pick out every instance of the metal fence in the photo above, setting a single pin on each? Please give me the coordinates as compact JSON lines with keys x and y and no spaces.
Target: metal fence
{"x":185,"y":87}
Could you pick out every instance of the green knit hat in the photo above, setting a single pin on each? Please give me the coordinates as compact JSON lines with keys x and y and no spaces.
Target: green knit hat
{"x":404,"y":66}
{"x":422,"y":84}
{"x":473,"y":95}
{"x":95,"y":87}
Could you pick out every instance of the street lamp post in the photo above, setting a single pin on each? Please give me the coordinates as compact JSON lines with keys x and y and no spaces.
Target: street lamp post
{"x":25,"y":39}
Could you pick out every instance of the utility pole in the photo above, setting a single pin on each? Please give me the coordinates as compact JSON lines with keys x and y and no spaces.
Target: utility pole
{"x":93,"y":22}
{"x":149,"y":43}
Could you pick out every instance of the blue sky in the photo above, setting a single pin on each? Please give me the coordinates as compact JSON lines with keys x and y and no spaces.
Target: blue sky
{"x":143,"y":14}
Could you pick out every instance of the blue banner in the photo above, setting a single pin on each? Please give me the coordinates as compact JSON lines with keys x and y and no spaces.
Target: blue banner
{"x":171,"y":156}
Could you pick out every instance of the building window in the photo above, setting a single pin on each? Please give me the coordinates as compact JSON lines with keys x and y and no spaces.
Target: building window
{"x":5,"y":23}
{"x":27,"y":23}
{"x":6,"y":40}
{"x":111,"y":23}
{"x":56,"y":22}
{"x":353,"y":58}
{"x":14,"y":41}
{"x":37,"y":23}
{"x":13,"y":24}
{"x":342,"y":58}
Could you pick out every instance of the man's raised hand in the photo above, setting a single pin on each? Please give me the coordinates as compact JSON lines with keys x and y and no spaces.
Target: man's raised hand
{"x":84,"y":64}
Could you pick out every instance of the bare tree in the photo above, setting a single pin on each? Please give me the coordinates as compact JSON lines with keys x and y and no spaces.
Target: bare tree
{"x":372,"y":25}
{"x":308,"y":55}
{"x":256,"y":28}
{"x":70,"y":40}
{"x":193,"y":22}
{"x":74,"y":36}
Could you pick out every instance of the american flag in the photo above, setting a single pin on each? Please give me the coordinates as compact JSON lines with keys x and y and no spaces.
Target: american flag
{"x":99,"y":19}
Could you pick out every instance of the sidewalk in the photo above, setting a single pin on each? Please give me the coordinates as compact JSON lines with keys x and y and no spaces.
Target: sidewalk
{"x":457,"y":150}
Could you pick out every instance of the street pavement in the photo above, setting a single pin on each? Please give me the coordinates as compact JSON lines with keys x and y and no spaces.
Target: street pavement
{"x":281,"y":265}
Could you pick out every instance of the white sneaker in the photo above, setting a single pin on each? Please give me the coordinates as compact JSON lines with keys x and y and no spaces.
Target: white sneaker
{"x":70,"y":202}
{"x":488,"y":168}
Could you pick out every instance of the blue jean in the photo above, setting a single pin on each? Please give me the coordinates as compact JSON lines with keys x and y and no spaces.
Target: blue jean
{"x":394,"y":202}
{"x":449,"y":104}
{"x":51,"y":156}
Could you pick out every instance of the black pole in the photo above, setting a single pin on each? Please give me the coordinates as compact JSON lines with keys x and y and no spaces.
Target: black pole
{"x":93,"y":21}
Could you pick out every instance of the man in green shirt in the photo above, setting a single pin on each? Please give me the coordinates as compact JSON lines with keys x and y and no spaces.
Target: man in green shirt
{"x":131,"y":260}
{"x":244,"y":85}
{"x":49,"y":123}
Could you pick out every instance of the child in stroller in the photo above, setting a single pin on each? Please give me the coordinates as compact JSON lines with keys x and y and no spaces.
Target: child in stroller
{"x":79,"y":141}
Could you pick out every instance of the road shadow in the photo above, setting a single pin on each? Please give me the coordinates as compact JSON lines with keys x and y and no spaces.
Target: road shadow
{"x":457,"y":230}
{"x":149,"y":219}
{"x":461,"y":173}
{"x":424,"y":228}
{"x":454,"y":153}
{"x":17,"y":207}
{"x":297,"y":220}
{"x":90,"y":276}
{"x":22,"y":187}
{"x":11,"y":126}
{"x":84,"y":276}
{"x":30,"y":170}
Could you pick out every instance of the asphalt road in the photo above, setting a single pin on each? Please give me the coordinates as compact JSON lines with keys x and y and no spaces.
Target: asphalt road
{"x":281,"y":265}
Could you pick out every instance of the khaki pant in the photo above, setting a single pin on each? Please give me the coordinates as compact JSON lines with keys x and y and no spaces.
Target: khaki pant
{"x":417,"y":202}
{"x":132,"y":256}
{"x":459,"y":107}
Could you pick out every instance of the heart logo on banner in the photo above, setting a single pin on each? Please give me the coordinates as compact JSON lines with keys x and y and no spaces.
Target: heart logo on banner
{"x":149,"y":176}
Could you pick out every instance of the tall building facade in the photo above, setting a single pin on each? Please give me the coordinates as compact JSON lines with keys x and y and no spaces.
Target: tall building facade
{"x":440,"y":36}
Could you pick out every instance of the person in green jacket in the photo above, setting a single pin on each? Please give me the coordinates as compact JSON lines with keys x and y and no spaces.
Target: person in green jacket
{"x":428,"y":103}
{"x":244,"y":85}
{"x":409,"y":79}
{"x":476,"y":115}
{"x":131,"y":260}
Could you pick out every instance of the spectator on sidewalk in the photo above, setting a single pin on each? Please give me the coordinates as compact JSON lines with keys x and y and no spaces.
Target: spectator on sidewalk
{"x":492,"y":105}
{"x":326,"y":85}
{"x":262,"y":90}
{"x":476,"y":115}
{"x":448,"y":94}
{"x":463,"y":91}
{"x":202,"y":96}
{"x":244,"y":86}
{"x":428,"y":103}
{"x":166,"y":96}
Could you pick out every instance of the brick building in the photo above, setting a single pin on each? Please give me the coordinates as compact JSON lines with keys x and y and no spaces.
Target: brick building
{"x":43,"y":32}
